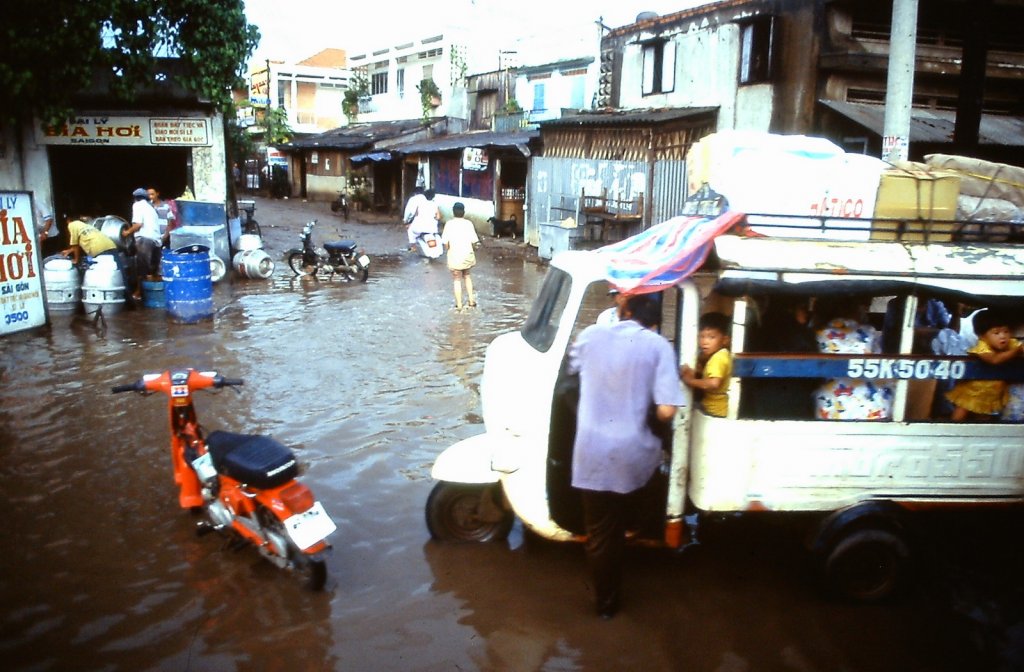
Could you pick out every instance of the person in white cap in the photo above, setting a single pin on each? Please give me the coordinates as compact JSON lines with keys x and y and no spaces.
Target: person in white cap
{"x":146,"y":227}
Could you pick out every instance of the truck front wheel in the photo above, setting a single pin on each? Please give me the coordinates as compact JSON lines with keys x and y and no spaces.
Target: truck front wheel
{"x":867,"y":565}
{"x":467,"y":512}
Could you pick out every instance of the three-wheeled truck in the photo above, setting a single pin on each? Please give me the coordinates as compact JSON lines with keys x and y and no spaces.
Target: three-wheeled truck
{"x":858,"y":484}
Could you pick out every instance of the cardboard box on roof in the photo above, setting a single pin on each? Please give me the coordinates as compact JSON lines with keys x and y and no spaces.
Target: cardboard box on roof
{"x":921,"y":202}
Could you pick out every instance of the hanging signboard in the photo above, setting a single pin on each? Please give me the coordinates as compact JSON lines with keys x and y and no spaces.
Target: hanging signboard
{"x":21,"y":288}
{"x":474,"y":158}
{"x":128,"y":131}
{"x":259,"y":88}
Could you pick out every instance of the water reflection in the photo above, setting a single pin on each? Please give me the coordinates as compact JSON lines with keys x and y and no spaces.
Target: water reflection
{"x":103,"y":566}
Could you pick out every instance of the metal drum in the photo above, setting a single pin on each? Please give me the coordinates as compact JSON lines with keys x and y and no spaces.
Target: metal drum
{"x":253,"y":264}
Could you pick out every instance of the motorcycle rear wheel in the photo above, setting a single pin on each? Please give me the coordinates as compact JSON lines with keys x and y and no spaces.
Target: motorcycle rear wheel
{"x":352,"y":272}
{"x":297,"y":262}
{"x":312,"y":572}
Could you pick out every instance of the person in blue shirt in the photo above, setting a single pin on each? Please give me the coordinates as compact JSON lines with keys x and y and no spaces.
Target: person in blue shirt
{"x":625,"y":368}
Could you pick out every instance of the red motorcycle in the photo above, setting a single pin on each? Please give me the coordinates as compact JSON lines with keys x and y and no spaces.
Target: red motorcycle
{"x":244,"y":484}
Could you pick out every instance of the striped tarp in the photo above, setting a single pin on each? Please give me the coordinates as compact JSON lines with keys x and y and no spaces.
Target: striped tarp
{"x":664,"y":254}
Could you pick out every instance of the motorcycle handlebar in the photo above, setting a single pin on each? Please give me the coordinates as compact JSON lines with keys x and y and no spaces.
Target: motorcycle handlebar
{"x":130,"y":387}
{"x":229,"y":382}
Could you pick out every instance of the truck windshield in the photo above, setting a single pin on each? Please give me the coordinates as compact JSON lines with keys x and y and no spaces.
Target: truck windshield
{"x":542,"y":322}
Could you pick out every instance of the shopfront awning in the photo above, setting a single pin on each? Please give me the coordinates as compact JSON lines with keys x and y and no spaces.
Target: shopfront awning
{"x":933,"y":126}
{"x":481,"y":139}
{"x":371,"y":156}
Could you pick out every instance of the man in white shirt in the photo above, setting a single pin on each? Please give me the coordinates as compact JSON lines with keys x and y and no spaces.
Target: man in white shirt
{"x":423,"y":215}
{"x":146,"y":227}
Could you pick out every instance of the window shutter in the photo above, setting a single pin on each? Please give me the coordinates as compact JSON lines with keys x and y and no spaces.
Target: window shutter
{"x":668,"y":69}
{"x":649,"y":58}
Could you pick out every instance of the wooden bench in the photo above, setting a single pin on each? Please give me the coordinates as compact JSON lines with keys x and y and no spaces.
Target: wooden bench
{"x":610,"y":219}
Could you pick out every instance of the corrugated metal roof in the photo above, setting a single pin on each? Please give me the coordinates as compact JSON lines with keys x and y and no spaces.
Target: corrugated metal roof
{"x":933,"y":126}
{"x":462,"y":140}
{"x":658,"y":22}
{"x":356,"y":136}
{"x":626,"y":117}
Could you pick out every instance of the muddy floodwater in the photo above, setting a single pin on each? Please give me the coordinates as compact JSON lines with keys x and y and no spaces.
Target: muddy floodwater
{"x":367,"y":383}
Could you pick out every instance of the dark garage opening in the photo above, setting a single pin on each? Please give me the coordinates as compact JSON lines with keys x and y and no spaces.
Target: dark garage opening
{"x":97,"y":181}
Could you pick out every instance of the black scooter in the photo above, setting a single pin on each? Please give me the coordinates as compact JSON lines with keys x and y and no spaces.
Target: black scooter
{"x":339,"y":257}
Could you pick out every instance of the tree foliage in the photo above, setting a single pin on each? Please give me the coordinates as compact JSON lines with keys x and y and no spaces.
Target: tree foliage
{"x":277,"y":131}
{"x":358,"y":90}
{"x":50,"y":50}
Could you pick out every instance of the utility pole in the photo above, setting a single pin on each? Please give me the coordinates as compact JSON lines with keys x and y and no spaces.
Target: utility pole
{"x":899,"y":95}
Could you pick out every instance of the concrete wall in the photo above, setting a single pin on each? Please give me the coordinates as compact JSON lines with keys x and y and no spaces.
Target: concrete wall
{"x":477,"y":211}
{"x":24,"y":166}
{"x":209,"y":165}
{"x":323,"y":187}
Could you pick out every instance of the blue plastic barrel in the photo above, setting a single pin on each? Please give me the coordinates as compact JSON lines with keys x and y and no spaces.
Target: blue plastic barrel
{"x":188,"y":287}
{"x":153,"y":294}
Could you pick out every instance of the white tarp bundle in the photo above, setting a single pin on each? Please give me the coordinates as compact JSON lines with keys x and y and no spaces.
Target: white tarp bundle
{"x":772,"y":174}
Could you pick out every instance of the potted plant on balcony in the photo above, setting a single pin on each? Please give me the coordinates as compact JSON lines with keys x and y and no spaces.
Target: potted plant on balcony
{"x":430,"y":96}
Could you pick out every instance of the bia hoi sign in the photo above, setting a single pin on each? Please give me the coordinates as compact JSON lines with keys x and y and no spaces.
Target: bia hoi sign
{"x":128,"y":131}
{"x":21,"y":288}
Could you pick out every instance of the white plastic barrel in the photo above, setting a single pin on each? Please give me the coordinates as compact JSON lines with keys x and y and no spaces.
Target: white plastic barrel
{"x":103,"y":286}
{"x":249,"y":241}
{"x":63,"y":286}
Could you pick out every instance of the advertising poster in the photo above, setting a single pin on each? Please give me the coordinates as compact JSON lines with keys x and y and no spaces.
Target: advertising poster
{"x":474,"y":158}
{"x":21,"y":288}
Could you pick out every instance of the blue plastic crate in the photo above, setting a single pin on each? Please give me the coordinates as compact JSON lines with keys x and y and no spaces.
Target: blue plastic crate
{"x":201,"y":213}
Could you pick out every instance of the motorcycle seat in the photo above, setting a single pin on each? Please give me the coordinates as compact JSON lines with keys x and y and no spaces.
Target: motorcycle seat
{"x":343,"y":246}
{"x":252,"y":459}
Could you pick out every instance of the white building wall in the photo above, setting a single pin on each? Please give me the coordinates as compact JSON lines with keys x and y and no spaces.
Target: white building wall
{"x":324,"y":112}
{"x":558,"y":93}
{"x":447,"y":70}
{"x":706,"y":75}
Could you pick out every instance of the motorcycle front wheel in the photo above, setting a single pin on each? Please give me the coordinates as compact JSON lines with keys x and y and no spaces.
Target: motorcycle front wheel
{"x":297,"y":262}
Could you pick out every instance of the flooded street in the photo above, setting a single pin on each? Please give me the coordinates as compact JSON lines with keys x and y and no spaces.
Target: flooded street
{"x":367,"y":383}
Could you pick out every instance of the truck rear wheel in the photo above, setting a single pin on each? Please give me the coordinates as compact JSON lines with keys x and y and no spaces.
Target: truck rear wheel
{"x":867,"y":565}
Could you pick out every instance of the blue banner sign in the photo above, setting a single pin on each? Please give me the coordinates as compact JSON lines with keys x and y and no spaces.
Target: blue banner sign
{"x":873,"y":367}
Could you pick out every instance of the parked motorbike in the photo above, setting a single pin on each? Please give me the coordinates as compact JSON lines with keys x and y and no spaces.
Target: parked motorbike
{"x":244,"y":484}
{"x":429,"y":245}
{"x":340,"y":204}
{"x":336,"y":257}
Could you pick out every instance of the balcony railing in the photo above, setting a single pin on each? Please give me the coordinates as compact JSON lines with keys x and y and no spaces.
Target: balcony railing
{"x":509,"y":122}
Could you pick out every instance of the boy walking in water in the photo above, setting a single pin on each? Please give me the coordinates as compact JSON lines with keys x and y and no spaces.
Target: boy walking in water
{"x":458,"y":238}
{"x":714,"y":364}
